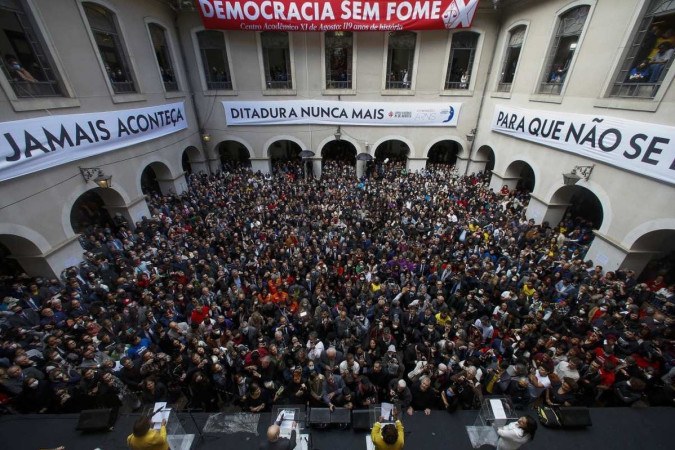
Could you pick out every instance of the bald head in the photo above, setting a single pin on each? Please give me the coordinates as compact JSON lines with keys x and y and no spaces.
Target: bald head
{"x":273,"y":433}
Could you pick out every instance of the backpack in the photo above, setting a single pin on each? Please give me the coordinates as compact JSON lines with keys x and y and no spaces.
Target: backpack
{"x":549,"y":417}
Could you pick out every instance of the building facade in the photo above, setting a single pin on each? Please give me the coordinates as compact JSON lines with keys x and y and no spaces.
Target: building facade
{"x":576,"y":62}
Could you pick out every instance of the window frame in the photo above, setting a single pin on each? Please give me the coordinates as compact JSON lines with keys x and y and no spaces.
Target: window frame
{"x":548,"y":57}
{"x":469,"y":91}
{"x":506,"y":47}
{"x":172,"y":55}
{"x":415,"y":62}
{"x":200,"y":63}
{"x":324,"y":78}
{"x":631,"y":47}
{"x":68,"y":97}
{"x":291,"y":61}
{"x":116,"y":97}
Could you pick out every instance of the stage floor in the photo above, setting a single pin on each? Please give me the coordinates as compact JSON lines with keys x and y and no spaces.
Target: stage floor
{"x":613,"y":428}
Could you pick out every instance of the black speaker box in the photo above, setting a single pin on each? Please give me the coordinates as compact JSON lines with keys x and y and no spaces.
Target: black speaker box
{"x":92,"y":420}
{"x":571,"y":417}
{"x":361,"y":420}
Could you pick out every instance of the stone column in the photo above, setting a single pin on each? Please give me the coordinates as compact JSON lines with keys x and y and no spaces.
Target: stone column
{"x":541,"y":211}
{"x":264,"y":165}
{"x":132,"y":212}
{"x":611,"y":255}
{"x":416,"y":164}
{"x":316,"y":166}
{"x":498,"y":181}
{"x":170,"y":186}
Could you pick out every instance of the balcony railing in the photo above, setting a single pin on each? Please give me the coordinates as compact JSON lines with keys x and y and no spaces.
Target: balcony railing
{"x":504,"y":87}
{"x":219,"y":85}
{"x":456,"y":85}
{"x":397,"y":85}
{"x":550,"y":88}
{"x":28,"y":89}
{"x":170,"y":86}
{"x":279,"y":84}
{"x":123,"y":87}
{"x":332,"y":84}
{"x":635,"y":90}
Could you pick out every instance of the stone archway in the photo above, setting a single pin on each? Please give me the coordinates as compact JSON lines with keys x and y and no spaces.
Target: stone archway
{"x":190,"y":156}
{"x":19,"y":255}
{"x":156,"y":179}
{"x":523,"y":173}
{"x":583,"y":203}
{"x":285,"y":156}
{"x":653,"y":255}
{"x":91,"y":209}
{"x":343,"y":151}
{"x":444,"y":153}
{"x":392,"y":150}
{"x":233,"y":154}
{"x":485,"y":153}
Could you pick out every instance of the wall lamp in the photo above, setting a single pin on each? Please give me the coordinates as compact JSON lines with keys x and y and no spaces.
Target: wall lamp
{"x":97,"y":176}
{"x":579,"y":172}
{"x":338,"y":133}
{"x":471,"y":135}
{"x":206,"y":137}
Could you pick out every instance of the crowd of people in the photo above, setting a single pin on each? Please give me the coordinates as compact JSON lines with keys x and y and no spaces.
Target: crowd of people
{"x":427,"y":290}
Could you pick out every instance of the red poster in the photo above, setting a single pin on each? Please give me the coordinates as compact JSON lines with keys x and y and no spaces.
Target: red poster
{"x":336,"y":15}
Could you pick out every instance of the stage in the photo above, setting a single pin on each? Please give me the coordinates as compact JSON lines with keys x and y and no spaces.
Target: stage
{"x":613,"y":428}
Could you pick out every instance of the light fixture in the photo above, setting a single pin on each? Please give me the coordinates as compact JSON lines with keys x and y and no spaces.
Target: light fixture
{"x":97,"y":176}
{"x":338,"y":133}
{"x":579,"y":172}
{"x":367,"y":147}
{"x":471,"y":135}
{"x":206,"y":137}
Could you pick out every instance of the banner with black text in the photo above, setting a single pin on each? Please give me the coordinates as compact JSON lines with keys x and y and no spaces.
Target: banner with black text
{"x":639,"y":147}
{"x":328,"y":112}
{"x":31,"y":145}
{"x":336,"y":15}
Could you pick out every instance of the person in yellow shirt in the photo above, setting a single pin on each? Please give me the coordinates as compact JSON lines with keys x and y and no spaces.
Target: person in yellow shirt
{"x":388,"y":437}
{"x":145,"y":438}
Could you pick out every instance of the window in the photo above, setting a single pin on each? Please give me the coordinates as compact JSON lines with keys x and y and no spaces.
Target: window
{"x":25,"y":63}
{"x":276,"y":60}
{"x":161,"y":48}
{"x":104,"y":28}
{"x":214,"y":60}
{"x":650,"y":55}
{"x":460,"y":63}
{"x":565,"y":41}
{"x":400,"y":59}
{"x":516,"y":38}
{"x":338,"y":53}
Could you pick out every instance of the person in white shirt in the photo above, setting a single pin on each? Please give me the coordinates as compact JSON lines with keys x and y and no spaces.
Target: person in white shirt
{"x":516,"y":434}
{"x":314,"y":346}
{"x":568,"y":369}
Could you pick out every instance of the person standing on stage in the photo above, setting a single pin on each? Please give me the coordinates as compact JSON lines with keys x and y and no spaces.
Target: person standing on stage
{"x":145,"y":438}
{"x":516,"y":434}
{"x":388,"y":437}
{"x":274,"y":442}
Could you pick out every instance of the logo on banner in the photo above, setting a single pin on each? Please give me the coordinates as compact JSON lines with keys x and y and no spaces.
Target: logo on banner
{"x":454,"y":17}
{"x":451,"y":114}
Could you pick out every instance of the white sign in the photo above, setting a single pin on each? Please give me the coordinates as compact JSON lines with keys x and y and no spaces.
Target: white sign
{"x":640,"y":147}
{"x":27,"y":146}
{"x":342,"y":113}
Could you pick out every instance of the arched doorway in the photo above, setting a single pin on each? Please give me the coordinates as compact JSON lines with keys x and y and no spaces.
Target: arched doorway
{"x":285,"y":157}
{"x":444,"y":153}
{"x":151,"y":176}
{"x":233,"y":154}
{"x":14,"y":249}
{"x":585,"y":206}
{"x":190,"y":155}
{"x":393,"y":150}
{"x":341,"y":151}
{"x":89,"y":211}
{"x":485,"y":153}
{"x":524,"y":173}
{"x":661,"y":245}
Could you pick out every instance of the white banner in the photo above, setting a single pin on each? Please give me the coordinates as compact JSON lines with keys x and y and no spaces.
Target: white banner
{"x":342,"y":113}
{"x":31,"y":145}
{"x":640,"y":147}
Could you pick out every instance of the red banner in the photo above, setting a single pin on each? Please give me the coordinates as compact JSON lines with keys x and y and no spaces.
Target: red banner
{"x":336,"y":15}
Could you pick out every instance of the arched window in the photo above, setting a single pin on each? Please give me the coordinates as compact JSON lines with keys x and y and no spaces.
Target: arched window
{"x":460,"y":62}
{"x":103,"y":25}
{"x":650,"y":55}
{"x":163,"y":56}
{"x":339,"y":50}
{"x":25,"y":63}
{"x":276,"y":53}
{"x":564,"y":45}
{"x":213,"y":52}
{"x":400,"y":59}
{"x":511,"y":57}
